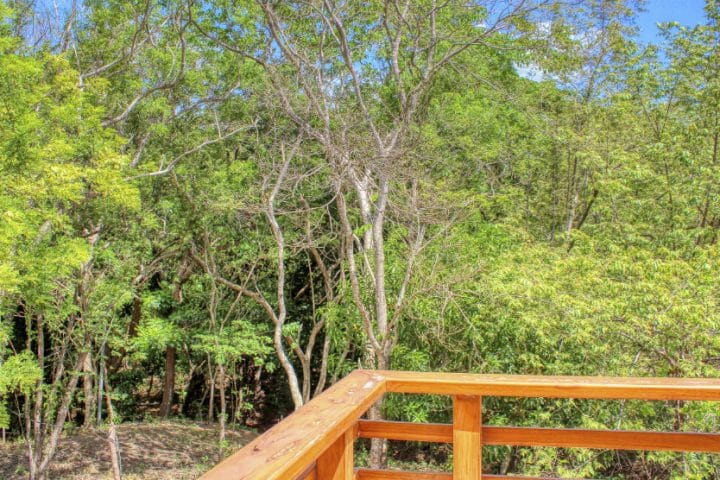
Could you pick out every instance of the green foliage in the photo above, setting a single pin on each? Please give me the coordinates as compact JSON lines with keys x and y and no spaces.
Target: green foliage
{"x":241,"y":339}
{"x":57,"y":162}
{"x":154,"y":334}
{"x":18,"y":374}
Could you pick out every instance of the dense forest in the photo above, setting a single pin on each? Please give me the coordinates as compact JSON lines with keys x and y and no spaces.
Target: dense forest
{"x":216,"y":209}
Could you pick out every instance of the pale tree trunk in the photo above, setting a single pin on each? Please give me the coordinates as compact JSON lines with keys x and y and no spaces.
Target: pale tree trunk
{"x":380,"y":328}
{"x":322,"y":378}
{"x":34,"y":429}
{"x":329,"y":287}
{"x":112,"y":439}
{"x":378,"y":339}
{"x":101,"y":383}
{"x":45,"y":451}
{"x":88,"y":374}
{"x":211,"y":404}
{"x":277,"y":314}
{"x":280,"y":317}
{"x":378,"y":447}
{"x":223,"y":403}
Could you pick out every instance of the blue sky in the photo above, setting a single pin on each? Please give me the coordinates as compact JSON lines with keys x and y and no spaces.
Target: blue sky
{"x":687,"y":12}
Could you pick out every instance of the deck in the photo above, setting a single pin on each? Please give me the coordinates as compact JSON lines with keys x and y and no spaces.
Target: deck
{"x":316,"y":442}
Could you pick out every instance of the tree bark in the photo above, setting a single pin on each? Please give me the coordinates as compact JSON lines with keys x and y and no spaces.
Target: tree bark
{"x":211,"y":402}
{"x":223,"y":403}
{"x":113,"y":443}
{"x":36,"y":438}
{"x":280,"y":316}
{"x":89,"y":407}
{"x":45,"y":452}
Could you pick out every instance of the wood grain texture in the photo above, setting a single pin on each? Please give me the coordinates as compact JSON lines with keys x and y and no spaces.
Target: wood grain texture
{"x":337,"y":463}
{"x":602,"y":439}
{"x":467,"y":437}
{"x":407,"y":431}
{"x":547,"y":437}
{"x":286,"y":450}
{"x":641,"y":388}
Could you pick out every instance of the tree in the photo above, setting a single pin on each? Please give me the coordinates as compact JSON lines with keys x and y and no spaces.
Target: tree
{"x":61,"y":181}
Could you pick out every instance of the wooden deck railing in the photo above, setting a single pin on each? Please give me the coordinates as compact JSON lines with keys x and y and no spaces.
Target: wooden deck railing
{"x":316,"y":442}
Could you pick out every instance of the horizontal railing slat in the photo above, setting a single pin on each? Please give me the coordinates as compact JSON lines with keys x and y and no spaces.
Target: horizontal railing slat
{"x":548,"y":437}
{"x":371,"y":474}
{"x":406,"y":431}
{"x":603,"y":439}
{"x":610,"y":388}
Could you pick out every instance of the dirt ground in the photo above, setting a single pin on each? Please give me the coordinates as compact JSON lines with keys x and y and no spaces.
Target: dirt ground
{"x":150,"y":451}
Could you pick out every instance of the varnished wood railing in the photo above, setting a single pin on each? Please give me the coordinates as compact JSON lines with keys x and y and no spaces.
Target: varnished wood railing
{"x":316,"y":442}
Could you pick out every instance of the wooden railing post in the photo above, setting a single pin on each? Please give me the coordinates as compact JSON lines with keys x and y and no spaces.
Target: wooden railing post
{"x":337,"y":462}
{"x":467,"y":437}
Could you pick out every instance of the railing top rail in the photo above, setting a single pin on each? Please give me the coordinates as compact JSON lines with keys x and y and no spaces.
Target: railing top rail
{"x":291,"y":446}
{"x":640,"y":388}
